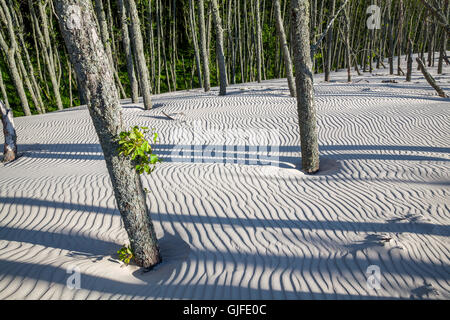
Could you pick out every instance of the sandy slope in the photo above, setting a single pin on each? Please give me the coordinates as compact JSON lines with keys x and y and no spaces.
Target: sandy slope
{"x":240,"y":228}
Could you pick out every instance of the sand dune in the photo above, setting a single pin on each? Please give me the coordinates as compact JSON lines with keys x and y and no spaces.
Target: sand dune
{"x":245,"y":224}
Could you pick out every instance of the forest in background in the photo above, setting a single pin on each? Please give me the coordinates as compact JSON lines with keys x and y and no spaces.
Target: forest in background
{"x":37,"y":76}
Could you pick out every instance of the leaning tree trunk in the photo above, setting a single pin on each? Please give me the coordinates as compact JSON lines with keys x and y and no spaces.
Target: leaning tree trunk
{"x":284,"y":48}
{"x":219,"y":48}
{"x":128,"y":52}
{"x":304,"y":82}
{"x":136,"y":40}
{"x":9,"y":132}
{"x":430,"y":79}
{"x":80,"y":32}
{"x":203,"y":53}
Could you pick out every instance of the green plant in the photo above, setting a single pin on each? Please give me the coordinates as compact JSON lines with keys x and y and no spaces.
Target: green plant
{"x":125,"y":254}
{"x":133,"y":144}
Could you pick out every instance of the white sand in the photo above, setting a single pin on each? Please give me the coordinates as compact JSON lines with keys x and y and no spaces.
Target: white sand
{"x":242,"y":231}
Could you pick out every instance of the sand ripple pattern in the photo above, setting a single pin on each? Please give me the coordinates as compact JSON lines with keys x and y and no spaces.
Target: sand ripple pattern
{"x":231,"y":225}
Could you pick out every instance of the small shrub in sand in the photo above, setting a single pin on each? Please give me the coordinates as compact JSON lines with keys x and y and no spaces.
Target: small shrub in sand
{"x":133,"y":144}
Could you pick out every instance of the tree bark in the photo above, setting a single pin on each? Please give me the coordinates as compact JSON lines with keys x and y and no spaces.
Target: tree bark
{"x":9,"y":132}
{"x":430,"y":79}
{"x":304,"y":81}
{"x":203,"y":52}
{"x":195,"y":42}
{"x":328,"y":57}
{"x":284,"y":48}
{"x":409,"y":61}
{"x":258,"y":42}
{"x":80,"y":32}
{"x":136,"y":40}
{"x":128,"y":52}
{"x":219,"y":48}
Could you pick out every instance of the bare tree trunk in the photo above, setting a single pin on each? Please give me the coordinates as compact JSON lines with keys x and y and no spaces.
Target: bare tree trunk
{"x":194,"y":40}
{"x":348,"y":52}
{"x":10,"y":51}
{"x":443,"y":46}
{"x":304,"y":82}
{"x":9,"y":132}
{"x":410,"y":60}
{"x":284,"y":48}
{"x":328,"y":60}
{"x":48,"y":52}
{"x":219,"y":48}
{"x":203,"y":52}
{"x":258,"y":42}
{"x":78,"y":26}
{"x":136,"y":40}
{"x":391,"y":38}
{"x":430,"y":79}
{"x":128,"y":52}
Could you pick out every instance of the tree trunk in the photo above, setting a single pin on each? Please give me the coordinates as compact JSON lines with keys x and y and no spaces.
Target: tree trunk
{"x":203,"y":52}
{"x":391,"y":37}
{"x":219,"y":48}
{"x":9,"y":132}
{"x":80,"y":32}
{"x":328,"y":57}
{"x":284,"y":48}
{"x":136,"y":40}
{"x":128,"y":52}
{"x":194,"y":40}
{"x":48,"y":53}
{"x":304,"y":82}
{"x":430,"y":79}
{"x":258,"y":42}
{"x":348,"y":52}
{"x":410,"y":61}
{"x":443,"y":46}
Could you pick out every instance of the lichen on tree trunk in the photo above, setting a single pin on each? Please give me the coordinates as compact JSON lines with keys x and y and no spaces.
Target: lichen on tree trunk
{"x":304,"y":81}
{"x":80,"y":32}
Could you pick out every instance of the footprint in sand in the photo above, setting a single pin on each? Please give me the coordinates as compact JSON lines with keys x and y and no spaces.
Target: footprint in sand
{"x":370,"y":241}
{"x":425,"y":290}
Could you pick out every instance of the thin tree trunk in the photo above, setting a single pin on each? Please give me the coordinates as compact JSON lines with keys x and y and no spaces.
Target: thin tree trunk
{"x":9,"y":132}
{"x":391,"y":37}
{"x":328,"y":58}
{"x":136,"y":41}
{"x":194,"y":40}
{"x":258,"y":42}
{"x":203,"y":53}
{"x":443,"y":46}
{"x":410,"y":60}
{"x":48,"y":53}
{"x":77,"y":22}
{"x":128,"y":52}
{"x":219,"y":48}
{"x":284,"y":48}
{"x":348,"y":52}
{"x":304,"y":82}
{"x":14,"y":73}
